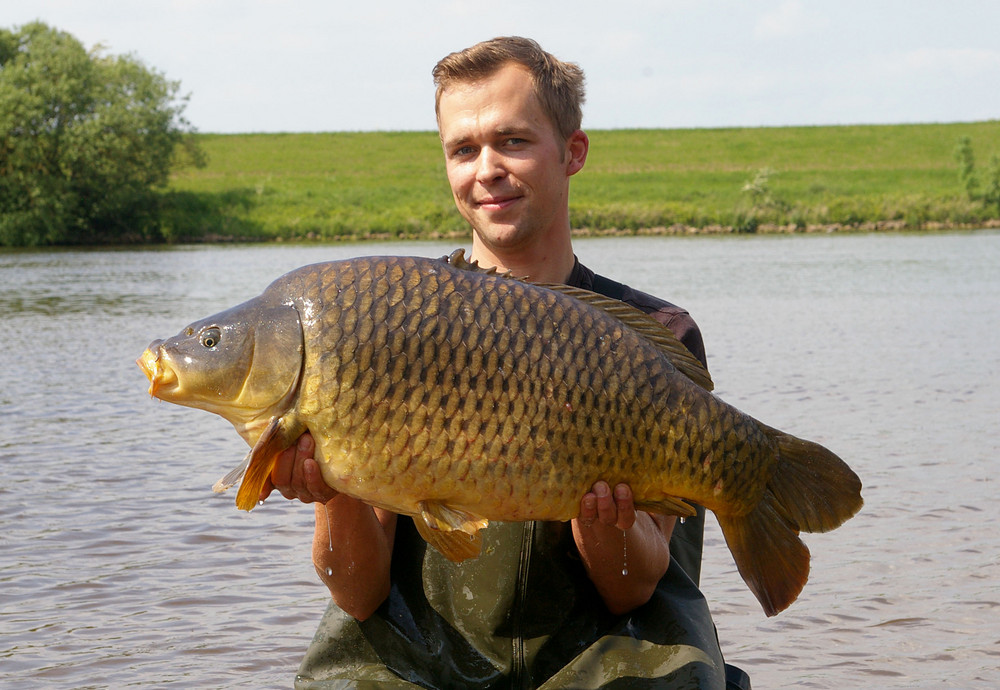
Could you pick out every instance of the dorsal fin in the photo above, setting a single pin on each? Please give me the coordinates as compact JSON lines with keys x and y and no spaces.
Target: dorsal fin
{"x":640,"y":322}
{"x":646,"y":326}
{"x":458,"y":260}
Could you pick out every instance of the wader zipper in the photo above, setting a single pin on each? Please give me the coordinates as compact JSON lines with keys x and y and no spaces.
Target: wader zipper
{"x":519,"y":676}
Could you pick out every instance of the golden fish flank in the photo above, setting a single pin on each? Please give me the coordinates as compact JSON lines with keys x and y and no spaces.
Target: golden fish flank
{"x":458,"y":396}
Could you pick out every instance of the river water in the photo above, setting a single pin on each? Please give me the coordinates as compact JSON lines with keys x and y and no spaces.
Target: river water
{"x":119,"y":567}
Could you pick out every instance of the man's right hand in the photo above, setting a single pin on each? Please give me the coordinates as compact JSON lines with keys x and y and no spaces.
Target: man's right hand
{"x":297,"y":475}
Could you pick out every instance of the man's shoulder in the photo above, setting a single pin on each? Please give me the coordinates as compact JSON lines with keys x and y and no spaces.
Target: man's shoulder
{"x":674,"y":317}
{"x":652,"y":305}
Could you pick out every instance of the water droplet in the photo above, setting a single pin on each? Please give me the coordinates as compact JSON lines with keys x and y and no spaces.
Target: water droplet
{"x":260,"y":503}
{"x":624,"y":553}
{"x":329,"y":571}
{"x":683,"y":520}
{"x":329,"y":531}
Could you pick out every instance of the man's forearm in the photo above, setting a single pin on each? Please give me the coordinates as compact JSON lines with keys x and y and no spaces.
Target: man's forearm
{"x":352,"y":552}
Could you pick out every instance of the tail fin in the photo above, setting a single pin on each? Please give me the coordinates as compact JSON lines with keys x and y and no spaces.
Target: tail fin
{"x":811,"y":490}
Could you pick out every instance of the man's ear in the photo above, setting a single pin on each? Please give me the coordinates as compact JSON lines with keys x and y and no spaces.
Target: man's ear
{"x":577,"y":146}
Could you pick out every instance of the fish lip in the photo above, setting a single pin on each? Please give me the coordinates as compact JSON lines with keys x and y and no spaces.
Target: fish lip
{"x":160,"y":376}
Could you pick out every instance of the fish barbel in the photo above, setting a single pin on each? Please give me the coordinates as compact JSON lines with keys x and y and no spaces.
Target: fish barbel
{"x":456,"y":395}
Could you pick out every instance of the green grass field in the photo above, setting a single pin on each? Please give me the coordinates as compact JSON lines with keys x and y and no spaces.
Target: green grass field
{"x":392,"y":184}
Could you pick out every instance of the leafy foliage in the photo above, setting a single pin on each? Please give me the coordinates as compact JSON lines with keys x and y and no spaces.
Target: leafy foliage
{"x":992,"y":195}
{"x":967,"y":166}
{"x":970,"y":177}
{"x":85,"y":141}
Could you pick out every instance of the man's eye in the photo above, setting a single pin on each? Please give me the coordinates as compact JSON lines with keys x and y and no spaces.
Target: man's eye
{"x":211,"y":337}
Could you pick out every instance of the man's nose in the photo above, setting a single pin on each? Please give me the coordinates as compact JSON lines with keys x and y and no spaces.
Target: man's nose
{"x":491,"y":165}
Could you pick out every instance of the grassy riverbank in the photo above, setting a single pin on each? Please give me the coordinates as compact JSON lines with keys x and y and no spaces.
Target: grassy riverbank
{"x":392,"y":184}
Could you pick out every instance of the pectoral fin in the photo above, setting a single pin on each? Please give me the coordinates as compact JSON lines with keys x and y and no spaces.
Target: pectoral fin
{"x":276,"y":437}
{"x":455,"y":533}
{"x":233,"y":476}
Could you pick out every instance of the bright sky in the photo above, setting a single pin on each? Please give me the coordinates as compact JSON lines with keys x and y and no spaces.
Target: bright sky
{"x":337,"y":65}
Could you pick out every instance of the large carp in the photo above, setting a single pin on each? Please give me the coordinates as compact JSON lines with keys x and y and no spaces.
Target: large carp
{"x":455,"y":395}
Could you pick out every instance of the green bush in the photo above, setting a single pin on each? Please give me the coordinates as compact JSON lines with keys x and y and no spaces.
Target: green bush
{"x":992,"y":195}
{"x":85,"y":142}
{"x":967,"y":166}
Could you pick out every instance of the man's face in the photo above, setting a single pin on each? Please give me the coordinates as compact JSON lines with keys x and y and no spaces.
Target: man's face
{"x":508,"y":168}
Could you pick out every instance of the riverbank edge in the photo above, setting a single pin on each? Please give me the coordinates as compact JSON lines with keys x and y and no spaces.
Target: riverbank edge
{"x":793,"y":229}
{"x":887,"y":226}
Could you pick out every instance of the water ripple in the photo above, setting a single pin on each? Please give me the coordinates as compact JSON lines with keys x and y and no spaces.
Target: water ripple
{"x":119,"y":567}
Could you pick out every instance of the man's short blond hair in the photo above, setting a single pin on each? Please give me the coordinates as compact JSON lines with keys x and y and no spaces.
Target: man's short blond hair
{"x":558,"y":84}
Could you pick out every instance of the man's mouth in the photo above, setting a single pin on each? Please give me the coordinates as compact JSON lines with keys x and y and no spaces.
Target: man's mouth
{"x":496,"y":203}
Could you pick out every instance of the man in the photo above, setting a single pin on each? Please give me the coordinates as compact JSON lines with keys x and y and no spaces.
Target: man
{"x":595,"y":603}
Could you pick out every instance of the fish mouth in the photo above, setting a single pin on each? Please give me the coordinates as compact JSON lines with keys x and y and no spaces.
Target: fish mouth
{"x":159,"y":375}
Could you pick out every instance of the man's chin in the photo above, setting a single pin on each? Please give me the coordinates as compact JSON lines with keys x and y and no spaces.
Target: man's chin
{"x":501,"y":236}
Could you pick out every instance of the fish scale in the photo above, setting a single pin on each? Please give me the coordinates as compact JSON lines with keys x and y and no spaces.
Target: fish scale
{"x":456,"y":395}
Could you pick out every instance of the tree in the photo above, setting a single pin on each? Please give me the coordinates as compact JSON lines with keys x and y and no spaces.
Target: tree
{"x":85,"y":141}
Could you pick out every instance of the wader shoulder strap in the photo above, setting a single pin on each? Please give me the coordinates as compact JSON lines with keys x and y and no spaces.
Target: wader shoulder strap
{"x":607,"y":287}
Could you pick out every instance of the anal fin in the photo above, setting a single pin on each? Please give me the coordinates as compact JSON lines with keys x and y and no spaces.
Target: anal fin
{"x":455,"y":533}
{"x":668,"y":505}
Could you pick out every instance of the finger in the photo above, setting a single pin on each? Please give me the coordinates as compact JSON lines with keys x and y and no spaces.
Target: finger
{"x":588,"y":509}
{"x":281,"y":473}
{"x":306,"y":446}
{"x":266,"y":489}
{"x":624,"y":506}
{"x":290,"y":480}
{"x":316,"y":487}
{"x":607,"y":512}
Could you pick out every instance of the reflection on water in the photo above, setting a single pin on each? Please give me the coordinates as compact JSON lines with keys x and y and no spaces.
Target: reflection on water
{"x":118,"y":564}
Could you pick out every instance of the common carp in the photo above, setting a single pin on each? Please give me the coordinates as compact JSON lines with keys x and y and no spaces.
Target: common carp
{"x":457,"y":395}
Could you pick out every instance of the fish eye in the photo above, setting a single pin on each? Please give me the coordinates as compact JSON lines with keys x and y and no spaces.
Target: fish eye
{"x":210,"y":337}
